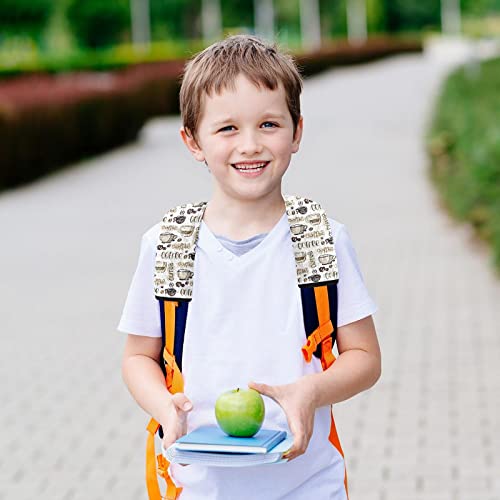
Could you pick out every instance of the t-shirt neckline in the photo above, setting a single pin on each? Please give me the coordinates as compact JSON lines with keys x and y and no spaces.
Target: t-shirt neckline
{"x":209,"y":241}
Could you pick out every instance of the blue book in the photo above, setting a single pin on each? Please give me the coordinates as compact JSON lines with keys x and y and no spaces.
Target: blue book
{"x":210,"y":438}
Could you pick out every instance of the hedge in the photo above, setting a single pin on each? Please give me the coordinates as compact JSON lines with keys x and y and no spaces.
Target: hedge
{"x":464,"y":148}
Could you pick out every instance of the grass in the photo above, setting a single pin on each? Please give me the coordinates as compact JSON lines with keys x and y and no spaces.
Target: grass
{"x":464,"y":146}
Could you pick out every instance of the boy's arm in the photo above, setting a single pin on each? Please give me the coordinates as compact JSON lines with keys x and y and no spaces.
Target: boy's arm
{"x":142,"y":374}
{"x":356,"y":369}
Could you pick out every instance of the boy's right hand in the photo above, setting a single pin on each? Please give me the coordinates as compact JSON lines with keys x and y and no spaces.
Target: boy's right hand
{"x":174,"y":423}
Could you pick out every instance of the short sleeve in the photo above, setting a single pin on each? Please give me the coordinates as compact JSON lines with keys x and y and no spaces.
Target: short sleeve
{"x":354,"y":301}
{"x":140,"y":314}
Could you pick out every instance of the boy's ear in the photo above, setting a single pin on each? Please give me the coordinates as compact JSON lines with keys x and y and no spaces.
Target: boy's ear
{"x":191,"y":144}
{"x":298,"y":135}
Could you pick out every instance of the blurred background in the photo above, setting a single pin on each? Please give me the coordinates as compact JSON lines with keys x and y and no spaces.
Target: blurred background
{"x":401,"y":106}
{"x":105,"y":68}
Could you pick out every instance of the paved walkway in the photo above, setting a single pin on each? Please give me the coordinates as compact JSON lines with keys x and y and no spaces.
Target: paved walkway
{"x":428,"y":430}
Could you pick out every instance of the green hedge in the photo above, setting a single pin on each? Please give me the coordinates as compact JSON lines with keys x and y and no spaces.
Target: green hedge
{"x":464,"y":146}
{"x":118,"y":57}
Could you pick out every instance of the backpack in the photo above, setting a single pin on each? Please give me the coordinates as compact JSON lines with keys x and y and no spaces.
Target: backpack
{"x":317,"y":277}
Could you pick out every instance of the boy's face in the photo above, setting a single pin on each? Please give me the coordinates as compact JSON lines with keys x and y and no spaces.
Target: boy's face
{"x":248,"y":127}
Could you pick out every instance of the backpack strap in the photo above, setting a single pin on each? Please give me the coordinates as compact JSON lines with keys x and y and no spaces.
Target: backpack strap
{"x":173,"y":287}
{"x":317,"y":277}
{"x":317,"y":274}
{"x":174,"y":383}
{"x":312,"y":242}
{"x":174,"y":265}
{"x":323,"y":296}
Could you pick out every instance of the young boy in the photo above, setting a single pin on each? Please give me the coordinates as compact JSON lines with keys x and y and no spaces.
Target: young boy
{"x":240,"y":104}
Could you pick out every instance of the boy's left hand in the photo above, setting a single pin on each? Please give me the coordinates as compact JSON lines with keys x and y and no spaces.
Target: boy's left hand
{"x":297,"y":402}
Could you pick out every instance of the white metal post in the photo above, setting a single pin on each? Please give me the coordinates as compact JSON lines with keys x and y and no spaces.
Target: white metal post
{"x":264,"y":19}
{"x":211,"y":20}
{"x":141,"y":29}
{"x":451,"y":18}
{"x":310,"y":25}
{"x":356,"y":21}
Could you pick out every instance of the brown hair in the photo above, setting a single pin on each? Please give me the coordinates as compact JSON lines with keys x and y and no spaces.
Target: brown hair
{"x":217,"y":67}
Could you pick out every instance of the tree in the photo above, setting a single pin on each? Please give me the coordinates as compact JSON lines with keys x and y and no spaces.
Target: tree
{"x":237,"y":13}
{"x":175,"y":19}
{"x":98,"y":23}
{"x":409,"y":15}
{"x":24,"y":16}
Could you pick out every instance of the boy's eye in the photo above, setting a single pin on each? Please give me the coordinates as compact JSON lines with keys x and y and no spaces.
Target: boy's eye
{"x":269,"y":125}
{"x":228,"y":127}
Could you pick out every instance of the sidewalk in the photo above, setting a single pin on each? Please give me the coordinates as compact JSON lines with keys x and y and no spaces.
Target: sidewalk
{"x":429,"y":429}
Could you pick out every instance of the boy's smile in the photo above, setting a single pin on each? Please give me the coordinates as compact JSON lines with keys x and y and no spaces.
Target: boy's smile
{"x":245,"y":135}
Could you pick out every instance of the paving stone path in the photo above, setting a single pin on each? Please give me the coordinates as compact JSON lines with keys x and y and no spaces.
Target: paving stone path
{"x":428,"y":430}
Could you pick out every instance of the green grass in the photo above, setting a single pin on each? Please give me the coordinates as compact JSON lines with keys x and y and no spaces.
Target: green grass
{"x":464,"y":146}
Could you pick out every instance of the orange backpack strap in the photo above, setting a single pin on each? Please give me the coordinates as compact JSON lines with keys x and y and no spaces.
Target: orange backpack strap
{"x":322,"y":336}
{"x":175,"y":383}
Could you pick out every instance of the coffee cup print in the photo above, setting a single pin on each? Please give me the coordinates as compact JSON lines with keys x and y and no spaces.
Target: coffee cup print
{"x":326,"y":259}
{"x":184,"y":274}
{"x":167,"y":237}
{"x":161,"y":267}
{"x":313,"y":219}
{"x":298,"y":229}
{"x":187,"y":230}
{"x":300,"y":257}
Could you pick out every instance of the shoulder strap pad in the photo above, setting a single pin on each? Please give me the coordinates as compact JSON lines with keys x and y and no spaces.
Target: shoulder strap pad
{"x":175,"y":251}
{"x":312,"y":241}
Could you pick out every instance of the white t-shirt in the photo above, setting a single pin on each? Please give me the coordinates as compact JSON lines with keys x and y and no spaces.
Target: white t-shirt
{"x":245,"y":324}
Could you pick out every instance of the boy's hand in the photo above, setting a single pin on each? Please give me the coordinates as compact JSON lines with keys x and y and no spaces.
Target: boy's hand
{"x":174,"y":423}
{"x":297,"y":402}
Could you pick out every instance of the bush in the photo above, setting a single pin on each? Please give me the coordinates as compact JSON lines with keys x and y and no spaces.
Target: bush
{"x":99,"y":23}
{"x":24,"y":16}
{"x":464,"y":145}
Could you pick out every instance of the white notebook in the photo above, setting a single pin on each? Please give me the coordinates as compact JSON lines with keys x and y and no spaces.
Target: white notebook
{"x":274,"y":456}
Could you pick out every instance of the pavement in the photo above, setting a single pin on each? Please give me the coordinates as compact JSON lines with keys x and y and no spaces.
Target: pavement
{"x":69,"y":430}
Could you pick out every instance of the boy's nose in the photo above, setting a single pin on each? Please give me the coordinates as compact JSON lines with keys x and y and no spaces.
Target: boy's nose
{"x":249,"y":144}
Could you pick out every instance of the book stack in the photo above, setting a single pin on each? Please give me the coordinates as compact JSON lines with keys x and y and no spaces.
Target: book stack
{"x":209,"y":445}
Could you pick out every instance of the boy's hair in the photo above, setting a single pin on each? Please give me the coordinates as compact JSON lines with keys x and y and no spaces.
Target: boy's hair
{"x":217,"y":67}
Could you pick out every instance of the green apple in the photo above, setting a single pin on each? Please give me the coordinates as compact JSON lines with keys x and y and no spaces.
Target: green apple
{"x":240,"y":412}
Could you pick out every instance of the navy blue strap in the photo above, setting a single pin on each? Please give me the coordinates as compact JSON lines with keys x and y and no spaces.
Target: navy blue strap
{"x":310,"y":312}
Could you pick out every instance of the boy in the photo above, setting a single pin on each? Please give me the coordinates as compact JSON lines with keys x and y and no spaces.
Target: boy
{"x":240,"y":105}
